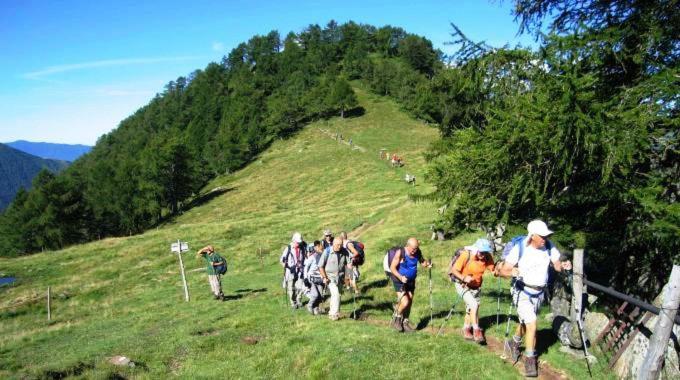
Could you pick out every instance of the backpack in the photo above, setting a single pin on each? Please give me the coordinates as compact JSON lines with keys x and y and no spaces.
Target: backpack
{"x":222,"y":268}
{"x":518,"y":240}
{"x":389,"y":256}
{"x":359,"y":246}
{"x":454,"y":258}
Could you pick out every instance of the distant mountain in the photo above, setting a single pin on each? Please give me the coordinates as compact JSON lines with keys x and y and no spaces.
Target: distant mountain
{"x":52,"y":151}
{"x":17,"y":170}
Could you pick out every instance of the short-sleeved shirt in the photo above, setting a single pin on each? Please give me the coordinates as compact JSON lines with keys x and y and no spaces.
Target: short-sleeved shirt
{"x":334,"y":263}
{"x":534,"y":264}
{"x":474,"y":267}
{"x":211,"y":258}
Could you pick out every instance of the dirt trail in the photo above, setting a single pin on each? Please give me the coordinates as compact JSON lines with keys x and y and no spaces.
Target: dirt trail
{"x":545,"y":371}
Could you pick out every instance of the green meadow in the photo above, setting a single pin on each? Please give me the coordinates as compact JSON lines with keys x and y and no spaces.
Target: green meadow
{"x":123,"y":296}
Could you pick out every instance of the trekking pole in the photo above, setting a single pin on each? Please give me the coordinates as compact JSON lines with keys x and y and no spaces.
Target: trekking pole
{"x":498,"y":305}
{"x":448,"y":316}
{"x":506,"y":343}
{"x":431,"y":306}
{"x":396,"y":308}
{"x":581,"y":332}
{"x":354,"y":296}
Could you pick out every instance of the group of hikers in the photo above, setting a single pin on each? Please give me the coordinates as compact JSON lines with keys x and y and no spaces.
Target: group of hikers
{"x":333,"y":262}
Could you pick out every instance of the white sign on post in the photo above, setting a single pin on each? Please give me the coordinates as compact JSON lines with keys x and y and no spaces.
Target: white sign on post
{"x":179,"y":247}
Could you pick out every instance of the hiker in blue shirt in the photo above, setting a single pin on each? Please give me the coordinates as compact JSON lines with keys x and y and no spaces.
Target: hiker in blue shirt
{"x":403,"y":272}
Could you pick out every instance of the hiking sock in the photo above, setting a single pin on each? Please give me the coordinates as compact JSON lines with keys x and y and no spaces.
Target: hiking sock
{"x":466,"y":326}
{"x":529,"y":353}
{"x":517,"y":339}
{"x":475,"y":326}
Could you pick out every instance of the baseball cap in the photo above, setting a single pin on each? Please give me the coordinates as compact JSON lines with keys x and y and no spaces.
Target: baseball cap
{"x":538,"y":227}
{"x":327,"y":233}
{"x":483,"y":245}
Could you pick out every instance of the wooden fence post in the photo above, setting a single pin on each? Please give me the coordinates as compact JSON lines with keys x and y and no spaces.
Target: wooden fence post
{"x":576,"y":298}
{"x":658,"y":343}
{"x":49,"y":310}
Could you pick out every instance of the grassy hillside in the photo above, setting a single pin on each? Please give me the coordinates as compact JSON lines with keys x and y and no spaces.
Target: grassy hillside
{"x":17,"y":170}
{"x":123,"y":296}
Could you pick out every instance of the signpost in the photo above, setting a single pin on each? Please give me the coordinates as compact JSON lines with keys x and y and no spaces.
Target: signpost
{"x":178,"y":248}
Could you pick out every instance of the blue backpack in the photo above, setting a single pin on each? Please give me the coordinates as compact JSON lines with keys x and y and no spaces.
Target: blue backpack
{"x":518,"y":240}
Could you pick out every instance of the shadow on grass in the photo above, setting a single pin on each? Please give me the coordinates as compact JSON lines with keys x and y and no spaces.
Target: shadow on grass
{"x":374,"y":284}
{"x":490,"y":320}
{"x":545,"y":338}
{"x":425,"y":320}
{"x":207,"y":197}
{"x":249,"y":291}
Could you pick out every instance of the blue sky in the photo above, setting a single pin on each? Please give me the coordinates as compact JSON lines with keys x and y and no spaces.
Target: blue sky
{"x":74,"y":69}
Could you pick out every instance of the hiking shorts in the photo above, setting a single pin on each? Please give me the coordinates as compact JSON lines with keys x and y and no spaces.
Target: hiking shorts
{"x":401,"y":287}
{"x":471,"y":297}
{"x":527,"y":306}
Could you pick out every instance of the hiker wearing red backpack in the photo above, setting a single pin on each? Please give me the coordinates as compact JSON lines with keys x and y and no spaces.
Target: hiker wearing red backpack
{"x":403,"y":270}
{"x":466,"y":271}
{"x":356,"y":259}
{"x":528,"y":262}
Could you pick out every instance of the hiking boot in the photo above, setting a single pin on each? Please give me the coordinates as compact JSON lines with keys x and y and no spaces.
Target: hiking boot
{"x":478,"y":336}
{"x":514,"y":350}
{"x":398,"y":324}
{"x":530,"y":366}
{"x":334,"y":317}
{"x":316,"y":311}
{"x":407,"y":326}
{"x":220,"y":297}
{"x":467,"y":333}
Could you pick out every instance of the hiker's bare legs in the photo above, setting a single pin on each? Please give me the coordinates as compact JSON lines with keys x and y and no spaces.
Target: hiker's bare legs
{"x":530,"y":336}
{"x":474,"y":317}
{"x":405,"y":303}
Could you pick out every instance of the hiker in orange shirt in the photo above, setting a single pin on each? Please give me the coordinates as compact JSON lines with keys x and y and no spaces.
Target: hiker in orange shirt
{"x":467,"y":272}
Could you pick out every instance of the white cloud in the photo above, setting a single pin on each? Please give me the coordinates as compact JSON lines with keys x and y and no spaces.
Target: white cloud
{"x":41,"y":74}
{"x":218,"y":47}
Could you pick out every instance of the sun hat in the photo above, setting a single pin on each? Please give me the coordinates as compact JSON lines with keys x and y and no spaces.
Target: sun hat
{"x":297,"y":238}
{"x":538,"y":227}
{"x":483,"y":245}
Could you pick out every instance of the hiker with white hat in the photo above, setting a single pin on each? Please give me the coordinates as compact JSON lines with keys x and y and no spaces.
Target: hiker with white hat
{"x":293,"y":261}
{"x":528,"y":262}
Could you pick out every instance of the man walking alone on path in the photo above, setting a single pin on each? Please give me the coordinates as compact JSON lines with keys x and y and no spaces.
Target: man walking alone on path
{"x":332,"y":268}
{"x":533,"y":257}
{"x":214,"y":261}
{"x":403,"y":272}
{"x":467,"y":272}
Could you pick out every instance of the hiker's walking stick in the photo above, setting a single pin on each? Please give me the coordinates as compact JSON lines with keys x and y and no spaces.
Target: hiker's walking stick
{"x":354,"y":295}
{"x":506,"y":343}
{"x":498,"y":305}
{"x":396,"y":308}
{"x":448,"y":316}
{"x":580,"y":331}
{"x":431,"y":306}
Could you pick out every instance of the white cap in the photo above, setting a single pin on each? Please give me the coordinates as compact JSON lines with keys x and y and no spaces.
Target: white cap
{"x":538,"y":227}
{"x":297,"y":238}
